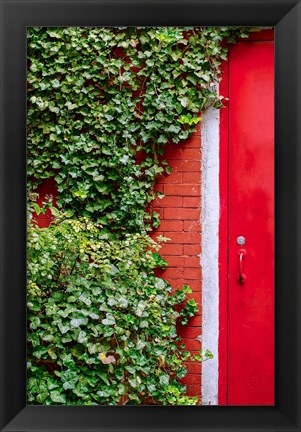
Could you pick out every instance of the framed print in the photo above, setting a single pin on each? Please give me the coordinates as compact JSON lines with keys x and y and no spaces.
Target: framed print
{"x":109,"y":320}
{"x":116,"y":141}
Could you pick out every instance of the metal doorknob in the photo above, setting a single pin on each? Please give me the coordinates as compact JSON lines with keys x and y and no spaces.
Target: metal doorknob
{"x":241,"y":276}
{"x":240,"y":240}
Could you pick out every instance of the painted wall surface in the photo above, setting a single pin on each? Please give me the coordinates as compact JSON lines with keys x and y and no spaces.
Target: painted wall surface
{"x":210,"y":250}
{"x":251,"y":215}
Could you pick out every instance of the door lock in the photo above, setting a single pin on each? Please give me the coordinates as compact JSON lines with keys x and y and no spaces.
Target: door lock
{"x":241,"y":240}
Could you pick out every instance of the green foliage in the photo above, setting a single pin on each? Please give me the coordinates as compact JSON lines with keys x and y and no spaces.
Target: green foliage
{"x":203,"y":356}
{"x":97,"y":96}
{"x":101,"y":325}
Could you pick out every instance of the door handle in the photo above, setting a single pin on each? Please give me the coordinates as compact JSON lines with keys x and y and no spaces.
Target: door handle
{"x":241,"y":276}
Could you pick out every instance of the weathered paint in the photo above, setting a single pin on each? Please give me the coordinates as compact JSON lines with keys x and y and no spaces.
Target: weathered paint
{"x":209,"y":257}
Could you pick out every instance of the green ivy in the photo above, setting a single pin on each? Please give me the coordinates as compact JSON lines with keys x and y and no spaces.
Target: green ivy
{"x":97,"y":96}
{"x":101,"y":325}
{"x":102,"y":105}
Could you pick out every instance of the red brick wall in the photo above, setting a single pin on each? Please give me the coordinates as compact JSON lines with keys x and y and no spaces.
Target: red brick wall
{"x":48,"y":187}
{"x":180,"y":212}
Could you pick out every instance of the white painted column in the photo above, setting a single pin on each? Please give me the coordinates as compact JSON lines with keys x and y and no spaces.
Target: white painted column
{"x":209,"y":255}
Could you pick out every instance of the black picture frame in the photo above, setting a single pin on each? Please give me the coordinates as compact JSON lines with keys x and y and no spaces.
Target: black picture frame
{"x":16,"y":15}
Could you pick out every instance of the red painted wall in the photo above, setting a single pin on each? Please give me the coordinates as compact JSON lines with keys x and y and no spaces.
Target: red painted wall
{"x":180,"y":213}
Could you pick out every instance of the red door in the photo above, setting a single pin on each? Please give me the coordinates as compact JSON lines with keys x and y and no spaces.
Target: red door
{"x":250,"y":300}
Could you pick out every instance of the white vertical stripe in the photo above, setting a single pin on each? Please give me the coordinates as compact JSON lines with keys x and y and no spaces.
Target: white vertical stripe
{"x":209,"y":255}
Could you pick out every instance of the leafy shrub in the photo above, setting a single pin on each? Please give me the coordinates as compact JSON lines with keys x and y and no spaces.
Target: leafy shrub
{"x":101,"y":325}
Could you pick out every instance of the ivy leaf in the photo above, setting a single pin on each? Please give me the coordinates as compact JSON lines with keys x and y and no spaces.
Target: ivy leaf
{"x":103,"y":393}
{"x":144,"y":324}
{"x":174,"y":129}
{"x":109,"y":320}
{"x":140,"y":344}
{"x":135,"y":382}
{"x":82,"y":337}
{"x":37,"y":208}
{"x":124,"y":159}
{"x":184,"y":101}
{"x":122,"y":302}
{"x":55,"y":212}
{"x":41,"y":397}
{"x":63,"y":328}
{"x":77,"y":322}
{"x":85,"y":299}
{"x":48,"y":337}
{"x":101,"y":187}
{"x":112,"y":302}
{"x":57,"y":397}
{"x":113,"y":269}
{"x":140,"y":308}
{"x":55,"y":83}
{"x":164,"y":379}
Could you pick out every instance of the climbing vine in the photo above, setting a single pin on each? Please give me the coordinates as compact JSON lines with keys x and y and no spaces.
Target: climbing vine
{"x":102,"y":326}
{"x":97,"y":96}
{"x":102,"y":105}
